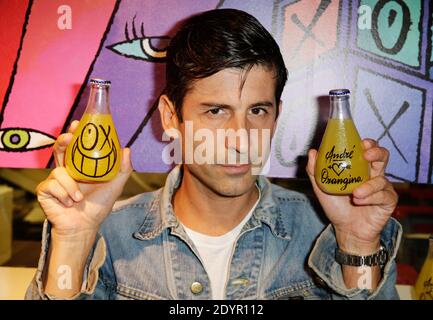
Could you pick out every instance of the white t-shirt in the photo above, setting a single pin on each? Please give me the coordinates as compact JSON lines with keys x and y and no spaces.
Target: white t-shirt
{"x":215,"y":253}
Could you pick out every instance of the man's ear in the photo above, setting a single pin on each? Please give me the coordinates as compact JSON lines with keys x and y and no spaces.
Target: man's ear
{"x":169,"y":119}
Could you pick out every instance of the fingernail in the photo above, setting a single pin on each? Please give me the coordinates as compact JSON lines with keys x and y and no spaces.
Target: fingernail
{"x":78,"y":196}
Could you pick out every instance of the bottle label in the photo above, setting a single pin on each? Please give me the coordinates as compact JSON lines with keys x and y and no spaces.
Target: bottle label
{"x":338,"y":163}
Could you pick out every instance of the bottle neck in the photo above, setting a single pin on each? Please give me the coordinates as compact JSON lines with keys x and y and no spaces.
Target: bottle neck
{"x":99,"y":101}
{"x":340,"y":108}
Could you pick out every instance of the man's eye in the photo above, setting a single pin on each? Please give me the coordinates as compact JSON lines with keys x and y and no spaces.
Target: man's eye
{"x":258,"y":111}
{"x":215,"y":111}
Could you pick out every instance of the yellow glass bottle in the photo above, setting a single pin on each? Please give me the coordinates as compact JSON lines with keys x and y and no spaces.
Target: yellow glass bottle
{"x":424,"y":283}
{"x":94,"y":152}
{"x":340,"y":165}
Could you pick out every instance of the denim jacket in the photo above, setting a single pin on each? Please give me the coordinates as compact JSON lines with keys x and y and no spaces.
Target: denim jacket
{"x":284,"y":251}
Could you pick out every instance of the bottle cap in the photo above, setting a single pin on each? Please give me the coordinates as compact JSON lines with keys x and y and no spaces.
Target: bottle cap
{"x":100,"y":82}
{"x":339,"y":92}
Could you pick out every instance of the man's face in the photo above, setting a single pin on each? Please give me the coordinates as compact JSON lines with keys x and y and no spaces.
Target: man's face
{"x":230,"y":100}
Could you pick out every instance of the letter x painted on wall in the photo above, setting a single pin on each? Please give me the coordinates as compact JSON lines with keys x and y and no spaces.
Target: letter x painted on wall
{"x":310,"y":29}
{"x":379,"y":117}
{"x":308,"y":33}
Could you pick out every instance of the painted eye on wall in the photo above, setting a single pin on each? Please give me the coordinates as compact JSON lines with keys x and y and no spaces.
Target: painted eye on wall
{"x":152,"y":49}
{"x":143,"y":49}
{"x":24,"y":139}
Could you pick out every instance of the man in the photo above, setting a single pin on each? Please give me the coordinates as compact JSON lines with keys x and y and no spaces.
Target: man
{"x":216,"y":230}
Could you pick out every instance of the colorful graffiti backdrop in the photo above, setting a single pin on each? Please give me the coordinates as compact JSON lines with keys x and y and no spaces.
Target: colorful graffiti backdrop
{"x":380,"y":49}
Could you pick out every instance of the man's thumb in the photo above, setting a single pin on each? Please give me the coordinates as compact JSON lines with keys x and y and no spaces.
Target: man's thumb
{"x":125,"y":166}
{"x":311,"y":167}
{"x":312,"y":154}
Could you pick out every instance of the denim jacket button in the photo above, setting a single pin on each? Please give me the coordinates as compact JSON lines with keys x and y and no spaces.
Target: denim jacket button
{"x":196,"y":287}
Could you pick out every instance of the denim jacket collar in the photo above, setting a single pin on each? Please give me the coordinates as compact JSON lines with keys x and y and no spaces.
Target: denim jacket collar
{"x":161,"y":216}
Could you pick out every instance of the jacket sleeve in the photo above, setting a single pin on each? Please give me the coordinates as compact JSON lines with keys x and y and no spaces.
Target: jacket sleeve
{"x":97,"y":270}
{"x":322,"y":261}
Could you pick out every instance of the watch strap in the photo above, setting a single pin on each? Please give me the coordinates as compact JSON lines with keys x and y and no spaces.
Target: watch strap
{"x":377,"y":259}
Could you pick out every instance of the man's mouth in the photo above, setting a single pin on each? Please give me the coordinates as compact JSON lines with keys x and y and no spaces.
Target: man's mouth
{"x":237,"y":168}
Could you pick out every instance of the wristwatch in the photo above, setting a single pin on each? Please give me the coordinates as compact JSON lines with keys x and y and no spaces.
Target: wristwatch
{"x":376,"y":259}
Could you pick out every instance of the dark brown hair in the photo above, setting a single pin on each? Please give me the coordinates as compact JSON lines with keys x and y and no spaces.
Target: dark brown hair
{"x":215,"y":40}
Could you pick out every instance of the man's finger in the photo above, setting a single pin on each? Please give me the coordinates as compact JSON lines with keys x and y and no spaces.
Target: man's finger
{"x":312,"y":157}
{"x":125,"y":167}
{"x":73,"y":126}
{"x":52,"y":188}
{"x":62,"y":142}
{"x":378,"y":158}
{"x":59,"y":148}
{"x":370,"y":187}
{"x":68,"y":183}
{"x":369,"y":143}
{"x":386,"y":198}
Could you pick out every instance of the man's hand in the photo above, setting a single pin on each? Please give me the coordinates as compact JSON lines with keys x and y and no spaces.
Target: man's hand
{"x":72,"y":207}
{"x":358,"y":219}
{"x":75,"y":211}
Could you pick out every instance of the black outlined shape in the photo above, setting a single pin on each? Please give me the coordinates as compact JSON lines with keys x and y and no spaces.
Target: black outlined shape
{"x":308,"y":29}
{"x":404,"y":28}
{"x":150,"y":52}
{"x":376,"y":112}
{"x":20,"y":139}
{"x":78,"y":157}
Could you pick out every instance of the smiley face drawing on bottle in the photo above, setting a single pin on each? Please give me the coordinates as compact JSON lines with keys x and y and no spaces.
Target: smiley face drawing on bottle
{"x":92,"y":155}
{"x":95,"y":150}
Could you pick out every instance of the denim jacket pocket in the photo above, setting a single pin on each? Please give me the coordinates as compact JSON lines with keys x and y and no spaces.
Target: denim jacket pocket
{"x":127,"y":293}
{"x":305,"y":290}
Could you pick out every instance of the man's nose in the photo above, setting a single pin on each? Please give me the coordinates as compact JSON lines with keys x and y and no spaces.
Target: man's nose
{"x":237,"y":134}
